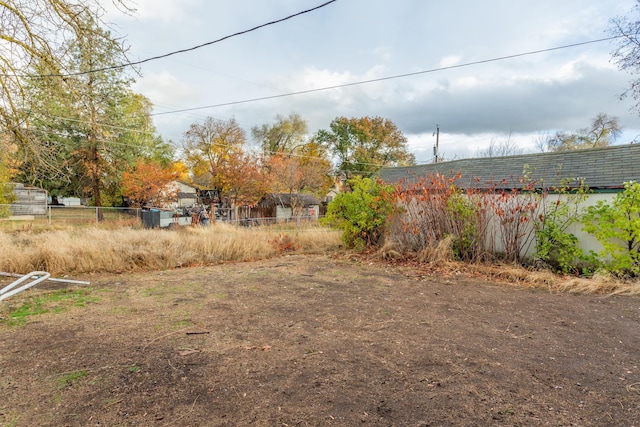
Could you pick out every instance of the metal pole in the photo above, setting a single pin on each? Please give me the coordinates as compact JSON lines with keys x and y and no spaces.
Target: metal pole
{"x":35,"y":277}
{"x":50,"y":279}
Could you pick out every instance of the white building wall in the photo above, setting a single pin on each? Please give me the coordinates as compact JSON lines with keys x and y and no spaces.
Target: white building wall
{"x":586,"y":241}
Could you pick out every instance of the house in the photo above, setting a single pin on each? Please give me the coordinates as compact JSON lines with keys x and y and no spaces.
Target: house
{"x":603,"y":170}
{"x":286,"y":206}
{"x":186,"y":194}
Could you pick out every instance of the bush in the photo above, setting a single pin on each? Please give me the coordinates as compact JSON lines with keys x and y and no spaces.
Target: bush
{"x":617,"y":228}
{"x":361,"y":214}
{"x":555,"y":246}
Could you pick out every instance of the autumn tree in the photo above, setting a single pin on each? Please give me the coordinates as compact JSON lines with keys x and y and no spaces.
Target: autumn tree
{"x":147,"y":183}
{"x":208,"y":146}
{"x":283,"y":136}
{"x":316,"y":166}
{"x":245,"y":179}
{"x":306,"y":170}
{"x":604,"y":130}
{"x":364,"y":145}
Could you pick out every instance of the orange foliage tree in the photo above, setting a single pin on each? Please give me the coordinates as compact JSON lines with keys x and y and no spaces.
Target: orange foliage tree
{"x":147,"y":183}
{"x":243,"y":178}
{"x":306,"y":170}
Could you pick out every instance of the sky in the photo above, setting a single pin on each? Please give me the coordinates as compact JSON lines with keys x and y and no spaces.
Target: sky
{"x":522,"y":99}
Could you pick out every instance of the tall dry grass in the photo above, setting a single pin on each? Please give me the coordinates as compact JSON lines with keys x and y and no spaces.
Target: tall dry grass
{"x":99,"y":250}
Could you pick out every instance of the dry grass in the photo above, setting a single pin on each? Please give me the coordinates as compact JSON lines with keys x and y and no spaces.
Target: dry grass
{"x":520,"y":276}
{"x":439,"y":258}
{"x":92,"y":249}
{"x":441,"y":252}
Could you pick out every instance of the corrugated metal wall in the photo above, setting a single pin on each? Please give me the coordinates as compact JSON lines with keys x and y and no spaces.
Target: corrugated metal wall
{"x":29,"y":201}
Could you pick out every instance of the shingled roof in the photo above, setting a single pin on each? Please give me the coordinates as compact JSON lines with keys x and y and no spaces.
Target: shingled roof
{"x":286,"y":199}
{"x":600,"y":168}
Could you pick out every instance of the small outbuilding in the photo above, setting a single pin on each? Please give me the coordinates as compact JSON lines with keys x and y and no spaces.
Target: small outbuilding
{"x":286,"y":206}
{"x":29,"y":201}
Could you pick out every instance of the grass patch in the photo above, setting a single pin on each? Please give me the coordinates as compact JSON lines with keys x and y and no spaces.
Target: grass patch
{"x":52,"y":302}
{"x":12,"y":422}
{"x":66,"y":380}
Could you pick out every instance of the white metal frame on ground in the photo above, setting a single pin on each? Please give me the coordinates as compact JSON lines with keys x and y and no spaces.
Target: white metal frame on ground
{"x":29,"y":280}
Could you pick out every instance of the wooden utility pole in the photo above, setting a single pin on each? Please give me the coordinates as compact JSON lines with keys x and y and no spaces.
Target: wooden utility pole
{"x":436,"y":148}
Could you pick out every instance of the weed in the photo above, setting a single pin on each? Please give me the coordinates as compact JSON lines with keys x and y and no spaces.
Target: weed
{"x":57,"y":302}
{"x":69,"y":378}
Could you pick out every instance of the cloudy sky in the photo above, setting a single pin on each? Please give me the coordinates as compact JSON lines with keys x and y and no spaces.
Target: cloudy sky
{"x":349,"y":41}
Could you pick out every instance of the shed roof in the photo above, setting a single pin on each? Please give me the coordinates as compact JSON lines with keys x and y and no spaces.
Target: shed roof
{"x":285,"y":199}
{"x":600,"y":168}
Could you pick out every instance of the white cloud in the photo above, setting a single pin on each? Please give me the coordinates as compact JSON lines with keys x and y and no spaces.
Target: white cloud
{"x":165,"y":11}
{"x":557,"y":90}
{"x":166,"y":90}
{"x":449,"y":61}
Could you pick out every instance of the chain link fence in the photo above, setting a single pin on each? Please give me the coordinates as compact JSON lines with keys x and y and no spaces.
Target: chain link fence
{"x":53,"y":216}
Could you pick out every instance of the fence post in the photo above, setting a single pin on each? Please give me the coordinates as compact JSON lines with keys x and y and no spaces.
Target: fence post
{"x":49,"y":209}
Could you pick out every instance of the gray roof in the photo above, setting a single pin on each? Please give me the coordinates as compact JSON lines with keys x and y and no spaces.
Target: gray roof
{"x":600,"y":168}
{"x":284,"y":199}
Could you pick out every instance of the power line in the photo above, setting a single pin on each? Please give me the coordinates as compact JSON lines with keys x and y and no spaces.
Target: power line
{"x":380,"y":79}
{"x":176,"y":52}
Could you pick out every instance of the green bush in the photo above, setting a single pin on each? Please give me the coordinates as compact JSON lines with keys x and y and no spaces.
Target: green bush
{"x":555,"y":246}
{"x":464,"y":216}
{"x":617,"y":228}
{"x":361,"y":214}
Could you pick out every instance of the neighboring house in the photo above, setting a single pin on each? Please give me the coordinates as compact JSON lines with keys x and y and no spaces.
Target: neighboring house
{"x":331,"y":194}
{"x":603,"y":171}
{"x":284,"y":206}
{"x":186,"y":194}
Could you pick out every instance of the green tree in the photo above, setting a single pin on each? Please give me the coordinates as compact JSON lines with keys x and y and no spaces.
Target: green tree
{"x":617,"y":228}
{"x":85,"y":132}
{"x":6,"y":193}
{"x":604,"y":130}
{"x":364,"y":145}
{"x":362,"y":213}
{"x":284,"y":136}
{"x":39,"y":32}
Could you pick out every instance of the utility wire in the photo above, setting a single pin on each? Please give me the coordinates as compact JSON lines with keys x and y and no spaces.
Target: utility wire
{"x":176,"y":52}
{"x":380,"y":79}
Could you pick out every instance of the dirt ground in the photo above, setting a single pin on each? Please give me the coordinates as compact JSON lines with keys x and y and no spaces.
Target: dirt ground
{"x":315,"y":341}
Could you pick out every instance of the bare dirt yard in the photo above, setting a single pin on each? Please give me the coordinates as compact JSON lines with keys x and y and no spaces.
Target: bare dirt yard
{"x":315,"y":341}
